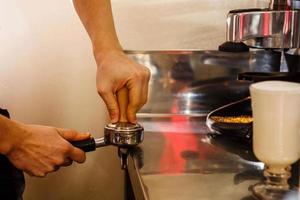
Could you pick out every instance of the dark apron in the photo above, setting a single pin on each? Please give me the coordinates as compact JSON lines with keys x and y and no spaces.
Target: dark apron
{"x":12,"y":182}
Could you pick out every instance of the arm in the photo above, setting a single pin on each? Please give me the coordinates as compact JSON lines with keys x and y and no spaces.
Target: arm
{"x":38,"y":150}
{"x":114,"y":69}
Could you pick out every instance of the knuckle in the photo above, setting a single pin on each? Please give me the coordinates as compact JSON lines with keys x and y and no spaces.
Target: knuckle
{"x":59,"y":161}
{"x":143,"y":74}
{"x":102,"y":91}
{"x":138,"y":75}
{"x":36,"y":172}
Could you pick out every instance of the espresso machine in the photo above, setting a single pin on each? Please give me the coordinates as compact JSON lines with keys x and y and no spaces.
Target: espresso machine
{"x":275,"y":29}
{"x":276,"y":32}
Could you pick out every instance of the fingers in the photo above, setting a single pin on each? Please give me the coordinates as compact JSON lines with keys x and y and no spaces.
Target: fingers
{"x":145,"y":88}
{"x":111,"y":79}
{"x":43,"y":171}
{"x":74,"y":153}
{"x":111,"y":104}
{"x":138,"y":95}
{"x":72,"y":135}
{"x":135,"y":102}
{"x":77,"y":155}
{"x":46,"y":149}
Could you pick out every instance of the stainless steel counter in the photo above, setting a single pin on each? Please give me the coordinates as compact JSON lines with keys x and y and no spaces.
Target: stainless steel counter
{"x":180,"y":160}
{"x":188,"y":165}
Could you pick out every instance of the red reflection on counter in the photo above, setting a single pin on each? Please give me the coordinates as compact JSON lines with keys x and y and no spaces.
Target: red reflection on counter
{"x":176,"y":143}
{"x":266,"y":21}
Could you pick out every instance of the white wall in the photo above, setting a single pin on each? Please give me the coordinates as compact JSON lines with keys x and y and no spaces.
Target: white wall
{"x":47,"y":72}
{"x":175,"y":24}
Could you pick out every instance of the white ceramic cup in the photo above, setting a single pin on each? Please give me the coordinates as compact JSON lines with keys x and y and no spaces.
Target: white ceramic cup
{"x":276,"y":134}
{"x":276,"y":122}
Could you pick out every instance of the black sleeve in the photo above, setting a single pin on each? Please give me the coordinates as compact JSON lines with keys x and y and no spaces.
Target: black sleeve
{"x":12,"y":182}
{"x":4,"y":112}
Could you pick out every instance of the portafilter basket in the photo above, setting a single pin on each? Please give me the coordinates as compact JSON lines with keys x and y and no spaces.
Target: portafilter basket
{"x":120,"y":134}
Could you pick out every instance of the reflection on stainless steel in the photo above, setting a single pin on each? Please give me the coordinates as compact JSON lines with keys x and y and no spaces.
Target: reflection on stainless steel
{"x":182,"y":81}
{"x":190,"y":165}
{"x":99,"y":142}
{"x":264,"y":28}
{"x":292,"y":58}
{"x":123,"y":155}
{"x":181,"y":160}
{"x":273,"y":27}
{"x":208,"y":95}
{"x":284,"y":4}
{"x":140,"y":190}
{"x":165,"y":115}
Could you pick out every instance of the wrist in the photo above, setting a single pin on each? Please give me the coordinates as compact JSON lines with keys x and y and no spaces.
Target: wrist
{"x":105,"y":43}
{"x":107,"y":54}
{"x":8,"y":137}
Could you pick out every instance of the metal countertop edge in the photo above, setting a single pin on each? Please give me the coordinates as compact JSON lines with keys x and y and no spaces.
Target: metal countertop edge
{"x":138,"y":186}
{"x":167,"y":51}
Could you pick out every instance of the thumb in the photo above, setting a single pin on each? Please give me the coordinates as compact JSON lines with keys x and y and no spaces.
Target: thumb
{"x":72,"y":135}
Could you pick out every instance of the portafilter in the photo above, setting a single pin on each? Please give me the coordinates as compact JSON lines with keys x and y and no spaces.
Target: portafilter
{"x":121,"y":134}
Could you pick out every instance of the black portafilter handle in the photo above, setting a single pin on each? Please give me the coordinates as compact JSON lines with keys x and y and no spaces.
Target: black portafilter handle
{"x":86,"y":145}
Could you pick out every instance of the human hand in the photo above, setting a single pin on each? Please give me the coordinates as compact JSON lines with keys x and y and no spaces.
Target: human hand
{"x":39,"y":150}
{"x":115,"y":72}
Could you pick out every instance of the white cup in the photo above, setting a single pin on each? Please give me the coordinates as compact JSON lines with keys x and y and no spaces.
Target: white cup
{"x":276,"y":133}
{"x":276,"y":121}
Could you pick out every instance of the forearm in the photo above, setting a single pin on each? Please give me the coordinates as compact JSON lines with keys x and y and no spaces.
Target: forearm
{"x":115,"y":70}
{"x":96,"y":16}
